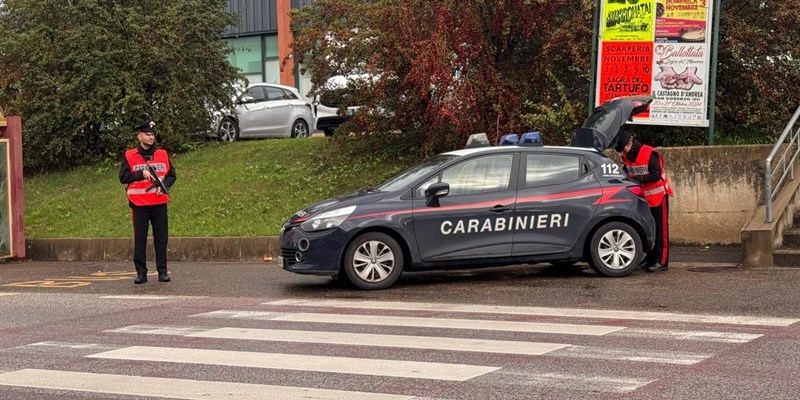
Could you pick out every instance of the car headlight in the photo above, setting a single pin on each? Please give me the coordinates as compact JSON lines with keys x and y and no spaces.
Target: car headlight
{"x":327,"y":220}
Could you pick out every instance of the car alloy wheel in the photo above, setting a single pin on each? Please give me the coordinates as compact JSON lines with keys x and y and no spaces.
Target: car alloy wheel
{"x":615,"y":249}
{"x":373,"y":261}
{"x":300,"y":129}
{"x":228,"y":131}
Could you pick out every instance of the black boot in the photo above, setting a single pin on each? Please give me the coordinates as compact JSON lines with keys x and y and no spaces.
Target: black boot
{"x":140,"y":278}
{"x":657,"y":267}
{"x":163,"y":277}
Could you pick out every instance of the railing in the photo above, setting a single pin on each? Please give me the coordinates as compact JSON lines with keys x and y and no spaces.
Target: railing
{"x":785,"y":167}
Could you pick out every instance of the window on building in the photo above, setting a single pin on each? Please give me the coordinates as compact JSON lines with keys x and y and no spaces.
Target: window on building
{"x":247,"y":57}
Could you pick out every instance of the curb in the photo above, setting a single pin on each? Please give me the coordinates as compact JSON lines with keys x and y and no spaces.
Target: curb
{"x":180,"y":249}
{"x":255,"y":248}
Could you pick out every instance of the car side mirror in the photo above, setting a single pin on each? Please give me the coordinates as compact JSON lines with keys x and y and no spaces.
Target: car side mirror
{"x":245,"y":99}
{"x":434,"y":192}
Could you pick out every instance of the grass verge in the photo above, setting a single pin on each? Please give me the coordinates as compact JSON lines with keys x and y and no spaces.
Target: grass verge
{"x":239,"y":189}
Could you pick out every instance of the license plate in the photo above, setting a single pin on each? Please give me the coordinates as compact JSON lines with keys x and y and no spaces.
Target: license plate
{"x":280,"y":261}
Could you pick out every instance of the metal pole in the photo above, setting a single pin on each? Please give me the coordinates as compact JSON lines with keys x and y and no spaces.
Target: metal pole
{"x":768,"y":189}
{"x":712,"y":86}
{"x":593,"y":77}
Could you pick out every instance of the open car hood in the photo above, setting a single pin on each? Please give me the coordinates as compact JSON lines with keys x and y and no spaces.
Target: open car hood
{"x":602,"y":128}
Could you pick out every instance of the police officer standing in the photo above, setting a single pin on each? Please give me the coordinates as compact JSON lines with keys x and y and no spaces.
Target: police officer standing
{"x":644,"y":164}
{"x":148,"y":174}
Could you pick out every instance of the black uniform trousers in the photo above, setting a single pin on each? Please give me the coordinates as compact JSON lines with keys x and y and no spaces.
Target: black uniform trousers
{"x":143,"y":217}
{"x":660,"y":253}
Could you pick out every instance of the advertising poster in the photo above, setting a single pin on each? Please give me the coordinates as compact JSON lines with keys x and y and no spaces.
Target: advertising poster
{"x":659,"y":48}
{"x":5,"y":201}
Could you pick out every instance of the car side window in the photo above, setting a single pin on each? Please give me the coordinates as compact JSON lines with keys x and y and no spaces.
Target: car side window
{"x":274,"y":94}
{"x":287,"y":95}
{"x":256,"y":92}
{"x":550,"y":169}
{"x":478,"y":175}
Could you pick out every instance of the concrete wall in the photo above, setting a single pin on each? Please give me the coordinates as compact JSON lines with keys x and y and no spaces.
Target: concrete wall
{"x":717,"y":190}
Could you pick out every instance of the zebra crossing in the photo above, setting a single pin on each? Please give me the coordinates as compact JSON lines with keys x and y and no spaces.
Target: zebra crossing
{"x":417,"y":350}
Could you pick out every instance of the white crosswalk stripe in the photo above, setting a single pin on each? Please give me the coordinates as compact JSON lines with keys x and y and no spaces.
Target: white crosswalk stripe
{"x":491,"y":325}
{"x":398,"y":341}
{"x":174,"y":388}
{"x":343,"y":365}
{"x":541,"y":311}
{"x":498,"y":345}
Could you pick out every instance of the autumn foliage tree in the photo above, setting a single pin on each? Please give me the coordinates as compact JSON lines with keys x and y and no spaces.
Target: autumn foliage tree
{"x":444,"y":70}
{"x":447,"y":69}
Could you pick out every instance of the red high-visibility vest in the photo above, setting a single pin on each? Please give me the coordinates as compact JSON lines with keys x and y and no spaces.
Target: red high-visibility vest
{"x":654,"y":192}
{"x":143,"y":193}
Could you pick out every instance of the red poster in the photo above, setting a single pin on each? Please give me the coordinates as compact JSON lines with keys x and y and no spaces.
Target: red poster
{"x":625,"y":69}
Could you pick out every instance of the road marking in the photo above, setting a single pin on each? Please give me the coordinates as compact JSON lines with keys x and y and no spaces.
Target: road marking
{"x":8,"y":294}
{"x":556,"y":381}
{"x":233,"y":314}
{"x":75,"y":281}
{"x":635,"y":355}
{"x":704,"y":336}
{"x":175,"y":388}
{"x":343,"y":365}
{"x":69,"y":345}
{"x":148,"y":297}
{"x":368,"y":339}
{"x":159,"y":330}
{"x":538,"y":311}
{"x":447,"y":323}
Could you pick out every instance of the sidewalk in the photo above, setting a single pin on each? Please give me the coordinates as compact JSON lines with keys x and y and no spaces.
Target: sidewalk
{"x":256,"y":248}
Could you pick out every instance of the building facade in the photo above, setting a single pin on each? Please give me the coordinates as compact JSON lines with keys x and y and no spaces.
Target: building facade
{"x":261,"y":41}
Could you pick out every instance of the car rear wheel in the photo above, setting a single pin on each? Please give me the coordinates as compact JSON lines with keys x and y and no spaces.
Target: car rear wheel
{"x":228,"y":131}
{"x":300,"y":129}
{"x":373,"y":261}
{"x":615,"y":249}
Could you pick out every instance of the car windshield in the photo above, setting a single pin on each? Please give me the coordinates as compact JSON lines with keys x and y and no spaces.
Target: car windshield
{"x":409,"y":176}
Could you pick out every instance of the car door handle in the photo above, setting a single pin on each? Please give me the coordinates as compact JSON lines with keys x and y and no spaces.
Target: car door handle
{"x":500,"y":208}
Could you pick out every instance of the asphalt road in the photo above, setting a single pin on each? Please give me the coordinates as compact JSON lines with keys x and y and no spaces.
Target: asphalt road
{"x":706,"y":329}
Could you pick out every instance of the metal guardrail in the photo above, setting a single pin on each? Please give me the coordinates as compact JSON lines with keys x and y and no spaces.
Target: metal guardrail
{"x":792,"y":145}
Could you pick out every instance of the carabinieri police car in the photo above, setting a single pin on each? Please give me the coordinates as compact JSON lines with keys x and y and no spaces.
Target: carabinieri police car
{"x":481,"y":206}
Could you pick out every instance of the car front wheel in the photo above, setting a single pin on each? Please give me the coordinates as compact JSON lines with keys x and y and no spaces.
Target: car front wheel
{"x":300,"y":129}
{"x":373,"y":261}
{"x":228,"y":131}
{"x":615,"y":249}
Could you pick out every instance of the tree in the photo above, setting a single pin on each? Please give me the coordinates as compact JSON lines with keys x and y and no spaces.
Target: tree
{"x":445,"y":69}
{"x":83,"y":73}
{"x":451,"y":68}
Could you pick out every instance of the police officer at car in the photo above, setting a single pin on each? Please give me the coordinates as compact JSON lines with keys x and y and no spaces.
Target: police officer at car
{"x":644,"y":164}
{"x":141,"y":169}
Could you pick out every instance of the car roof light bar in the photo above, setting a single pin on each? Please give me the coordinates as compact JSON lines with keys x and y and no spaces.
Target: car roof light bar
{"x":477,"y":140}
{"x":509,"y":139}
{"x":531,"y":139}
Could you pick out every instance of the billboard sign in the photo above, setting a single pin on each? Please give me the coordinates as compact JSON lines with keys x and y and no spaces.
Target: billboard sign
{"x":659,"y":48}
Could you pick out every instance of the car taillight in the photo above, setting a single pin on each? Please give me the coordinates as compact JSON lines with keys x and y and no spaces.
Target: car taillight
{"x":637,"y":190}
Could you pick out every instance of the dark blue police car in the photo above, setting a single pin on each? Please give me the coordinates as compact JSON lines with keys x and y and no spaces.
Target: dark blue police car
{"x":483,"y":206}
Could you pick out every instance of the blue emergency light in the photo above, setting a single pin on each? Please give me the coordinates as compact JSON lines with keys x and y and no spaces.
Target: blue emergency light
{"x":509,"y":139}
{"x":531,"y":139}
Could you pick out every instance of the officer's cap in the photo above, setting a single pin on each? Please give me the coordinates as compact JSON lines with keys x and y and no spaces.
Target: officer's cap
{"x":147,"y":127}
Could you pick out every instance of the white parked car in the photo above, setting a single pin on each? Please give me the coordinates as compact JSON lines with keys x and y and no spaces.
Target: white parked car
{"x":266,"y":110}
{"x":327,"y":113}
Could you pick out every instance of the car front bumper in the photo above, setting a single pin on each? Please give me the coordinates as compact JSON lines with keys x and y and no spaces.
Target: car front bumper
{"x":312,"y":253}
